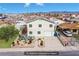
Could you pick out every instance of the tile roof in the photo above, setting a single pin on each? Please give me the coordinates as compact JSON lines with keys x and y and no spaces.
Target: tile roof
{"x":69,"y":26}
{"x":36,"y":18}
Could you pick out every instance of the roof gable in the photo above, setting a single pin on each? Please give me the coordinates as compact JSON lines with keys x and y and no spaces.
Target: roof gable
{"x":39,"y":18}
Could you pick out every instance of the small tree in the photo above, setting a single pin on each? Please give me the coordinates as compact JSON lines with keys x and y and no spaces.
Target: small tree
{"x":8,"y":32}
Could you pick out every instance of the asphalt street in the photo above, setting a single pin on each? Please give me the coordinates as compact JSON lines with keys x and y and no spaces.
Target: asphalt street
{"x":42,"y":53}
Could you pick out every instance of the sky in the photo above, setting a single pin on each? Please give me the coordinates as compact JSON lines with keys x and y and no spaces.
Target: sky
{"x":37,"y":7}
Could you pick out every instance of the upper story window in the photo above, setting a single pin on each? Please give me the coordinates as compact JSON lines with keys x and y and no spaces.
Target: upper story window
{"x":30,"y":25}
{"x":40,"y":25}
{"x":50,"y":25}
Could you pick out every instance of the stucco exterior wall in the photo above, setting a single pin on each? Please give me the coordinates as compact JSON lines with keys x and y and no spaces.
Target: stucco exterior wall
{"x":45,"y":30}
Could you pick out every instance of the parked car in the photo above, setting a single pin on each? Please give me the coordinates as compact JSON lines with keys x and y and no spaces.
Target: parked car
{"x":67,"y":33}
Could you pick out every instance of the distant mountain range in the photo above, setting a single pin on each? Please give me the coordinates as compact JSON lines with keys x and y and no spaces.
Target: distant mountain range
{"x":58,"y":12}
{"x":45,"y":12}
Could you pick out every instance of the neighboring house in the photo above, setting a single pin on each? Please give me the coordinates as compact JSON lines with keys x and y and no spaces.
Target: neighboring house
{"x":19,"y":24}
{"x":72,"y":27}
{"x":2,"y":16}
{"x":3,"y":23}
{"x":74,"y":20}
{"x":41,"y":27}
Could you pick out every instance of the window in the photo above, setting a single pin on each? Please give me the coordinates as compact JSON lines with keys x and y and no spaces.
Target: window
{"x":30,"y":32}
{"x":30,"y":25}
{"x":40,"y":25}
{"x":39,"y":32}
{"x":50,"y":25}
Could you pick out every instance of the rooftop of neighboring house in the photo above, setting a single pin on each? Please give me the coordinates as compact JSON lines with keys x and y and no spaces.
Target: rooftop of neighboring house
{"x":2,"y":22}
{"x":69,"y":26}
{"x":75,"y":19}
{"x":12,"y":18}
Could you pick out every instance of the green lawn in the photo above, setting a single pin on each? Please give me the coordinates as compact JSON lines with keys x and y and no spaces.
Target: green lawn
{"x":4,"y":44}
